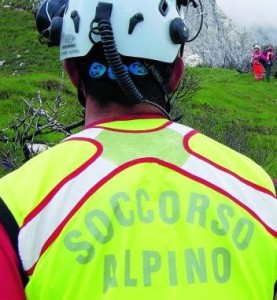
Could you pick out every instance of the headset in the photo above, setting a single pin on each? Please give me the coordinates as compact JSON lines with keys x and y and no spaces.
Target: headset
{"x":49,"y":20}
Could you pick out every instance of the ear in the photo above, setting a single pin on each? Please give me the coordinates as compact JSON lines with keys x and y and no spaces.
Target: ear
{"x":72,"y":71}
{"x":176,"y":75}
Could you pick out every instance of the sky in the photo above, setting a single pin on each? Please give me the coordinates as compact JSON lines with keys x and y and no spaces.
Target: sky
{"x":247,"y":12}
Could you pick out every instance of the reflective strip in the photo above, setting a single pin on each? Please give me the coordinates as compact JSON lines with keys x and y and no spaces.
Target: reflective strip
{"x":43,"y":225}
{"x":183,"y":130}
{"x":261,"y":204}
{"x":90,"y":133}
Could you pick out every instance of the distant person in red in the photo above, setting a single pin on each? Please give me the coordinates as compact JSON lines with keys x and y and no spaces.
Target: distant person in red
{"x":257,"y":66}
{"x":267,"y":57}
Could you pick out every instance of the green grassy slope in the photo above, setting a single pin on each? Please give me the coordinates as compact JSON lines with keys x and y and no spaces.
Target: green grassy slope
{"x":30,"y":67}
{"x":230,"y":107}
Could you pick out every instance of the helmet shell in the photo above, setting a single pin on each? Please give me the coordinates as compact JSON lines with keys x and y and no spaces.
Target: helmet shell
{"x":150,"y":38}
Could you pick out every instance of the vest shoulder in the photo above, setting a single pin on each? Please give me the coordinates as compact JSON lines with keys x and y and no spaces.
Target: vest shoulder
{"x":55,"y":162}
{"x":229,"y":160}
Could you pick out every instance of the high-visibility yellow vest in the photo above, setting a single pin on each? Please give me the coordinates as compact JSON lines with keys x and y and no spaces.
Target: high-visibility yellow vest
{"x":144,"y":209}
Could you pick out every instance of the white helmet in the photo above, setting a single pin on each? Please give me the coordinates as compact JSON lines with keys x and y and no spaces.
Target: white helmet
{"x":150,"y":38}
{"x":141,"y":28}
{"x":256,"y":47}
{"x":147,"y":29}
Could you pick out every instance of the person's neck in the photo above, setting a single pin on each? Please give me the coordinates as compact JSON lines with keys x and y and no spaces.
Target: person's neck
{"x":95,"y":112}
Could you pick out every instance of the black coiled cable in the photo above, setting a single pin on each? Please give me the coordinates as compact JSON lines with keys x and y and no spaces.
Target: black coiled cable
{"x":122,"y":77}
{"x":114,"y":60}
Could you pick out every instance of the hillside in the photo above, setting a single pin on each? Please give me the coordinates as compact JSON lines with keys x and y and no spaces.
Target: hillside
{"x":238,"y":111}
{"x":229,"y":106}
{"x":221,"y":42}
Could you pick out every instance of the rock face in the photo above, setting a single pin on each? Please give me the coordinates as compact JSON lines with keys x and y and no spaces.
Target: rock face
{"x":220,"y":43}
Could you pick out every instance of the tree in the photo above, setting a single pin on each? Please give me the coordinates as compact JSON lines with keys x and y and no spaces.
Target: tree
{"x":25,"y":136}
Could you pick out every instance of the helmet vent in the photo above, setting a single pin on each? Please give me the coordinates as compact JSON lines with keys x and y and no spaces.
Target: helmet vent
{"x":134,"y":21}
{"x":164,"y":7}
{"x":76,"y":20}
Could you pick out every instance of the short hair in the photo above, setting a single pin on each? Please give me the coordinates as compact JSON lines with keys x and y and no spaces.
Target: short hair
{"x":105,"y":90}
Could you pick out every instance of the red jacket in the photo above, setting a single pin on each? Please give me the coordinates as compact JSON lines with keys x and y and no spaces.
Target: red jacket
{"x":10,"y":279}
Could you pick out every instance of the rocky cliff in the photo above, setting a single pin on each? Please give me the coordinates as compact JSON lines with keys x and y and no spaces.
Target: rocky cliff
{"x":221,"y":43}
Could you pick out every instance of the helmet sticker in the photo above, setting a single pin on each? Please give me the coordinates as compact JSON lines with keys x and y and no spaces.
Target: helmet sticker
{"x":137,"y":68}
{"x":98,"y":70}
